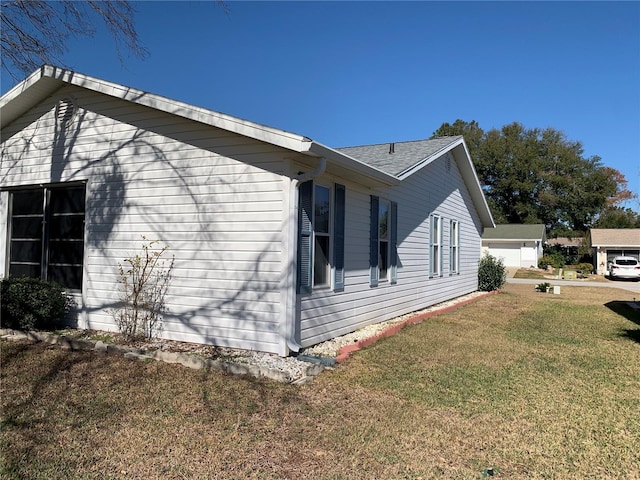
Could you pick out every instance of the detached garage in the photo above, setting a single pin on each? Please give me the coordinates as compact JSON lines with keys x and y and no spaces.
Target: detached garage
{"x":515,"y":245}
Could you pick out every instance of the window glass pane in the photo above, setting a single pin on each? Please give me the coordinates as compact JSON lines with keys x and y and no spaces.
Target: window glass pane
{"x":24,"y":270}
{"x":27,"y":202}
{"x":383,"y":221}
{"x":65,"y":252}
{"x":383,"y":259}
{"x":66,"y":227}
{"x":67,"y":200}
{"x":321,"y":261}
{"x":26,"y":227}
{"x":67,"y":276}
{"x":321,"y":210}
{"x":26,"y":251}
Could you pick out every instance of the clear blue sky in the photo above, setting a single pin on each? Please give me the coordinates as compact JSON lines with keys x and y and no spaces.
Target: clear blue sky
{"x":353,"y":73}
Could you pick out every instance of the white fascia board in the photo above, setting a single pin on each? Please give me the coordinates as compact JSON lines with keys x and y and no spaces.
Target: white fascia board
{"x":426,"y":161}
{"x":246,"y":128}
{"x":352,"y":164}
{"x":472,"y":181}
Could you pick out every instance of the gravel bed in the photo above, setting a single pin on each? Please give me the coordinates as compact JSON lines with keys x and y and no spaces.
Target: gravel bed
{"x":293,"y":368}
{"x":332,"y":347}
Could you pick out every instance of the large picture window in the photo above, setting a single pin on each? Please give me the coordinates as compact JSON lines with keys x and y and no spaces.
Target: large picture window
{"x":47,"y":234}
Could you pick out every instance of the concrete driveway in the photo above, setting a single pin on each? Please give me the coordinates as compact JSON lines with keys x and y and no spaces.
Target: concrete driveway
{"x":621,"y":284}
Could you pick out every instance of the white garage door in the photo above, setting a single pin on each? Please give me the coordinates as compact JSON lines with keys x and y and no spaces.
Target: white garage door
{"x":508,"y":253}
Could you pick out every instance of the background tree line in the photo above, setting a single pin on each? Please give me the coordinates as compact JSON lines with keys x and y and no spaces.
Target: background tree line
{"x":539,"y":176}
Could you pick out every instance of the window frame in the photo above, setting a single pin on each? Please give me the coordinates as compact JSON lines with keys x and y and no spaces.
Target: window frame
{"x":375,"y":267}
{"x":435,"y":245}
{"x":51,"y":220}
{"x":386,"y":242}
{"x":454,"y":247}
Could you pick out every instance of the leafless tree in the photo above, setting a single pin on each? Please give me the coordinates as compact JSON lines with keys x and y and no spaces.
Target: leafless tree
{"x":35,"y":32}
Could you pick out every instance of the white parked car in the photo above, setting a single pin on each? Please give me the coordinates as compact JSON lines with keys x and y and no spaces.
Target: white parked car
{"x":624,"y":267}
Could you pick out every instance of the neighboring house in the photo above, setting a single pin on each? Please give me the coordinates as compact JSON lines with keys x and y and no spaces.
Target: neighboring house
{"x":570,"y":245}
{"x":612,"y":242}
{"x":516,"y":245}
{"x":279,"y":242}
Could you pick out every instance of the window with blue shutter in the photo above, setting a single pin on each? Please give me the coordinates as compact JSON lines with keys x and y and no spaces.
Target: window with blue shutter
{"x":373,"y":242}
{"x":383,"y":252}
{"x":394,"y":243}
{"x":321,"y":228}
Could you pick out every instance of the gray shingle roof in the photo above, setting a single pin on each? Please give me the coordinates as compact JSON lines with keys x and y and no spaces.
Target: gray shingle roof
{"x":395,"y":158}
{"x":621,"y":237}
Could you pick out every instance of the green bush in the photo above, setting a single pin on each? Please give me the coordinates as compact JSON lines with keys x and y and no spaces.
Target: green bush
{"x":492,"y":274}
{"x":584,"y":268}
{"x":31,"y":303}
{"x":556,"y":260}
{"x":543,"y":287}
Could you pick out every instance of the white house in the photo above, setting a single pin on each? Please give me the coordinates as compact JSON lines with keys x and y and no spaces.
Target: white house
{"x":280,"y":242}
{"x":608,"y":243}
{"x":517,"y":245}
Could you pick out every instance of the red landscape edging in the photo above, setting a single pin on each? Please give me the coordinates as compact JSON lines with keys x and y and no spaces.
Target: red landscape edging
{"x":347,"y":350}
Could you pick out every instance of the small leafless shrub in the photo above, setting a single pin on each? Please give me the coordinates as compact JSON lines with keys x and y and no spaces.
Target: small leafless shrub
{"x":144,"y":279}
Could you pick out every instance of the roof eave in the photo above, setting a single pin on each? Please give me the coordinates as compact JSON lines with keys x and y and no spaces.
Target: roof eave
{"x":47,"y":79}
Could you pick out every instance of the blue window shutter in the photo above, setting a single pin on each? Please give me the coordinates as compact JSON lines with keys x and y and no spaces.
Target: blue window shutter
{"x":373,"y":242}
{"x":338,"y":237}
{"x":305,"y":231}
{"x":394,"y":242}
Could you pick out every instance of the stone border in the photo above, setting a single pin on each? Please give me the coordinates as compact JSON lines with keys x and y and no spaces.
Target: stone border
{"x":193,"y":361}
{"x":347,"y":350}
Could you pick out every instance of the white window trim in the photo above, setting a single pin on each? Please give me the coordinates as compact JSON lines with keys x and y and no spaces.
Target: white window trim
{"x":435,"y":245}
{"x":454,"y":247}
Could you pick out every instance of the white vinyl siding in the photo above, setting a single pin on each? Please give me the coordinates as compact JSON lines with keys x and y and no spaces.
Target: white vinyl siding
{"x":214,"y":197}
{"x":433,"y":189}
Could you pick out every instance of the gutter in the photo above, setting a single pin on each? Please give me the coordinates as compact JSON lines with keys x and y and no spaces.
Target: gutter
{"x":292,"y":261}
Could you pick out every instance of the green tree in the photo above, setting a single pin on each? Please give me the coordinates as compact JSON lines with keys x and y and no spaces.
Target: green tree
{"x":539,"y":176}
{"x":618,"y":217}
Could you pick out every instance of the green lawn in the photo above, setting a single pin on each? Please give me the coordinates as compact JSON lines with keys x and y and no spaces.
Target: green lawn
{"x":532,"y":385}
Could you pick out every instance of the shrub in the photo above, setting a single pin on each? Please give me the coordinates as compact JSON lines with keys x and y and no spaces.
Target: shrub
{"x":543,"y":287}
{"x":556,"y":260}
{"x":29,"y":303}
{"x":584,"y":268}
{"x":144,"y":278}
{"x":492,"y":274}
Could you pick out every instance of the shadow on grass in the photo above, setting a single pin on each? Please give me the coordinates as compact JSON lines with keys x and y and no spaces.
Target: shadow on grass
{"x":625,"y":310}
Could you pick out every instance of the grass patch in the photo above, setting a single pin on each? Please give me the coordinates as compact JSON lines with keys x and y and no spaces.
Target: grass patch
{"x":534,"y":386}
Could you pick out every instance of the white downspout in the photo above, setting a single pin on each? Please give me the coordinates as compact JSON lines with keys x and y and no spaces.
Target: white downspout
{"x":294,"y":196}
